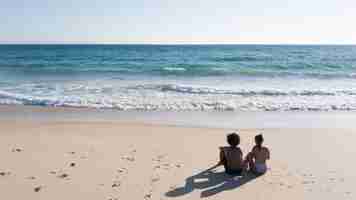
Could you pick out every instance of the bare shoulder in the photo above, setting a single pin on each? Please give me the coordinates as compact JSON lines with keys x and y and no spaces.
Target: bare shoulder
{"x":239,"y":149}
{"x":266,"y":149}
{"x":222,"y":148}
{"x":254,"y":148}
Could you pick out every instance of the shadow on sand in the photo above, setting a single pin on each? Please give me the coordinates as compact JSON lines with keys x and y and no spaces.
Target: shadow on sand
{"x":211,"y":182}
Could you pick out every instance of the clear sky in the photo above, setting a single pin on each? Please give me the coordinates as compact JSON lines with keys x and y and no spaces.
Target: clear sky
{"x":178,"y":21}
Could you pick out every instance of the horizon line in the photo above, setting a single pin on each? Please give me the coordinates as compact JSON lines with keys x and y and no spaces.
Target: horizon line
{"x":167,"y":44}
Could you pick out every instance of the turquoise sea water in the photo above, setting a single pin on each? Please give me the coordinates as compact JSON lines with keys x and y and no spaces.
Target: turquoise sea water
{"x":180,"y":77}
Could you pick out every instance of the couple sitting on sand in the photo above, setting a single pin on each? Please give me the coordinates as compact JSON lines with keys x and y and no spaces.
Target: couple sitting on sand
{"x":232,"y":159}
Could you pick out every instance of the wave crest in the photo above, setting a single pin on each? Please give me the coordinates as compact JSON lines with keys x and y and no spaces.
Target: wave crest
{"x":207,"y":90}
{"x":164,"y":97}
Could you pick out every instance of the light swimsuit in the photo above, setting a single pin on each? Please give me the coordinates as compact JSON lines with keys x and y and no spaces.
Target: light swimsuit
{"x":260,"y":167}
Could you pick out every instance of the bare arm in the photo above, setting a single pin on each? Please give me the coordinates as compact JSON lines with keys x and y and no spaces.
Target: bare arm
{"x":222,"y":157}
{"x":241,"y":155}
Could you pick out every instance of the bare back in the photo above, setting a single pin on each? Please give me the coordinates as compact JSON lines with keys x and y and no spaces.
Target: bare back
{"x":233,"y":157}
{"x":260,"y":154}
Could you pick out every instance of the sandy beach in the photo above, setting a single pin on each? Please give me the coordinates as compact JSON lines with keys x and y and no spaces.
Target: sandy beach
{"x":132,"y":160}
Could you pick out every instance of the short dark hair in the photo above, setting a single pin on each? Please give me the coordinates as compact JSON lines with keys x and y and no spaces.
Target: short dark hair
{"x":259,"y":138}
{"x":233,"y":139}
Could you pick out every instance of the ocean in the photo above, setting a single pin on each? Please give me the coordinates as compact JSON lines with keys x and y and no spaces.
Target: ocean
{"x":180,"y":77}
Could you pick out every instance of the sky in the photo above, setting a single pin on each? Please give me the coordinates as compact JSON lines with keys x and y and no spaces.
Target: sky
{"x":178,"y":21}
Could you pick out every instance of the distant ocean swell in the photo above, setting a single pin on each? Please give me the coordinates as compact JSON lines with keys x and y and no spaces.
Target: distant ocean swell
{"x":186,"y":70}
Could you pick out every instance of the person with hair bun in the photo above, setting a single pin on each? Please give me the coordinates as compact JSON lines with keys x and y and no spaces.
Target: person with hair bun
{"x":256,"y":159}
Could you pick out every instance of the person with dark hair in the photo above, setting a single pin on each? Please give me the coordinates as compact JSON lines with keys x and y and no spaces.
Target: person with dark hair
{"x":257,"y":158}
{"x":231,"y":156}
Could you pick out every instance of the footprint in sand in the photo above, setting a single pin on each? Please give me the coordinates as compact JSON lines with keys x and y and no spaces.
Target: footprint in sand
{"x":121,"y":170}
{"x":116,"y":184}
{"x":37,"y":189}
{"x":128,"y":158}
{"x":72,"y":164}
{"x":31,"y":178}
{"x":155,"y":179}
{"x":147,"y":196}
{"x":16,"y":150}
{"x":308,"y":182}
{"x":159,"y":158}
{"x":166,"y":166}
{"x":63,"y":176}
{"x":5,"y":173}
{"x":162,"y":163}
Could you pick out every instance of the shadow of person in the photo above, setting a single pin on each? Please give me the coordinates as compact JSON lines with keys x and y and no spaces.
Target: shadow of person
{"x":211,"y":182}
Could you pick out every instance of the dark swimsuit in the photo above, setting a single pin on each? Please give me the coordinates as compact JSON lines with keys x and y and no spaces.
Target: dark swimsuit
{"x":230,"y":171}
{"x":233,"y":172}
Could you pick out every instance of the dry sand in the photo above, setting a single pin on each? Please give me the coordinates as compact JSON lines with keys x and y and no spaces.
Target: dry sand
{"x":120,"y":160}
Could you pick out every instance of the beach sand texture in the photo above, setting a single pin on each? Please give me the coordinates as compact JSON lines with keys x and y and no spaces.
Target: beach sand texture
{"x":120,"y":160}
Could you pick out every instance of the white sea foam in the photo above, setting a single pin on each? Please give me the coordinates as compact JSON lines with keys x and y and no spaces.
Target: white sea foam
{"x":174,"y":69}
{"x":178,"y":97}
{"x":244,"y":92}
